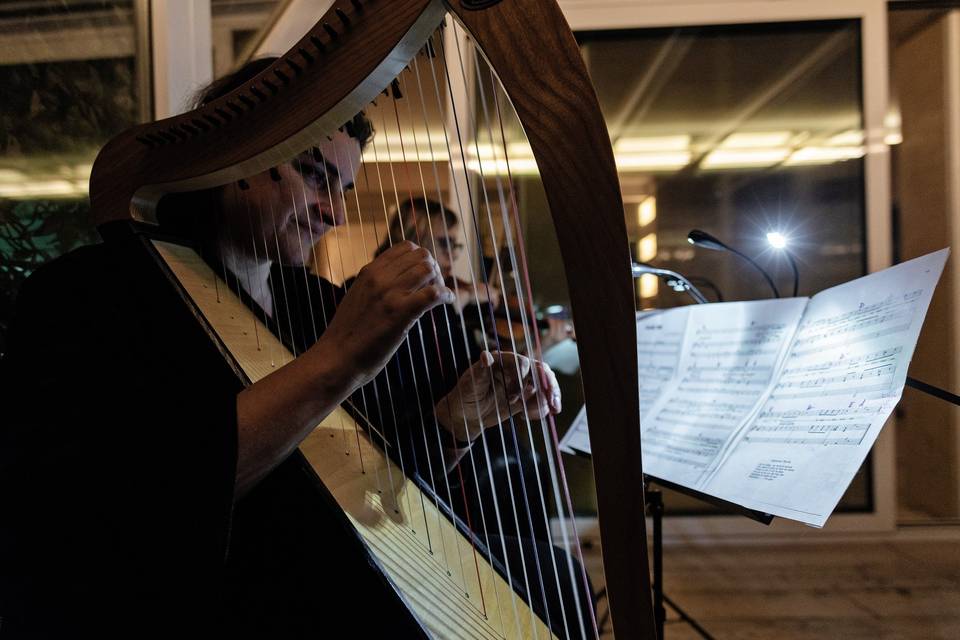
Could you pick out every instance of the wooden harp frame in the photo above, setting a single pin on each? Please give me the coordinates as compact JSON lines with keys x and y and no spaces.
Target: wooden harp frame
{"x":343,"y":63}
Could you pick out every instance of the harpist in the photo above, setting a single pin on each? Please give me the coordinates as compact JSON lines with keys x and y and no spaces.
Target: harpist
{"x":144,"y":492}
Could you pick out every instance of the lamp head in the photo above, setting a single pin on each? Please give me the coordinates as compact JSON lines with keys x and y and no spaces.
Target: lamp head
{"x":704,"y":240}
{"x":777,"y":240}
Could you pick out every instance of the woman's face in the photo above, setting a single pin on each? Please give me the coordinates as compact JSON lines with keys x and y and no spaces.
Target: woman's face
{"x":282,"y":219}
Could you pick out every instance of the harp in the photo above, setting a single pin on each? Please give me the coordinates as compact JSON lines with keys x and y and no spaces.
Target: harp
{"x":346,"y":61}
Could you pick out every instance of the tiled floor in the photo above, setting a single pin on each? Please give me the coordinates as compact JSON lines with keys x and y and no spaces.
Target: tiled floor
{"x":871,"y":590}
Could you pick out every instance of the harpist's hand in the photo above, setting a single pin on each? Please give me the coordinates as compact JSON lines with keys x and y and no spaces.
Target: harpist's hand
{"x":388,"y":296}
{"x":497,"y":386}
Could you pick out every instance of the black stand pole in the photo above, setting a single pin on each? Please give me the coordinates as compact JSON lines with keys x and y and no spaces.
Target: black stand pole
{"x":654,"y":499}
{"x":655,"y":503}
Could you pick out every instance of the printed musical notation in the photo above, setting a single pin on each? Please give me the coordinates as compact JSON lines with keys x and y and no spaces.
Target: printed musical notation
{"x":659,"y":342}
{"x":775,"y":404}
{"x":843,"y":375}
{"x":868,"y":322}
{"x":729,"y":356}
{"x":806,"y":431}
{"x":873,"y":372}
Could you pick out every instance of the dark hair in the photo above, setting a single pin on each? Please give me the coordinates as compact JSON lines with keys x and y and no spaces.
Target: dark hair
{"x":188,"y":214}
{"x":410,"y":215}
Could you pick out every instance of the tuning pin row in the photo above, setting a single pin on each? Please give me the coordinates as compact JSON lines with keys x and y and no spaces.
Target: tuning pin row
{"x":221,"y":112}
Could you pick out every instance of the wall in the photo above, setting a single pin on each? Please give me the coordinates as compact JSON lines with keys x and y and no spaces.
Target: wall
{"x":927,"y":430}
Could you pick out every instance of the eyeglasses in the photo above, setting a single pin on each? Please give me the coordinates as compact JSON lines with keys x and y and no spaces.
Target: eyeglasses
{"x":448,"y":244}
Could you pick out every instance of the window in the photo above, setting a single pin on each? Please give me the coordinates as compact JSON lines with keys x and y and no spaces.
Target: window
{"x":70,"y":80}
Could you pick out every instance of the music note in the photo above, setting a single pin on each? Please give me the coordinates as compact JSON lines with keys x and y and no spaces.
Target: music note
{"x":841,"y":379}
{"x":774,"y":404}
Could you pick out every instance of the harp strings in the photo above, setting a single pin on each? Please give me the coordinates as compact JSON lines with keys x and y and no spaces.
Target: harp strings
{"x":487,"y":347}
{"x":374,"y":386}
{"x":391,"y":483}
{"x":412,"y":449}
{"x":473,"y":209}
{"x":560,"y":485}
{"x":306,"y":278}
{"x":478,"y":262}
{"x":448,"y":466}
{"x":497,"y":265}
{"x":396,"y":200}
{"x":433,"y":318}
{"x":389,"y":240}
{"x":525,"y":323}
{"x":446,"y":318}
{"x":472,"y":285}
{"x":551,"y":439}
{"x":431,"y":474}
{"x":241,"y":187}
{"x":389,"y":402}
{"x":220,"y":214}
{"x":518,"y":262}
{"x":336,"y":234}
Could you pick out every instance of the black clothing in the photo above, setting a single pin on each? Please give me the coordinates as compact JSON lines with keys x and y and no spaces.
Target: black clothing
{"x":500,"y":467}
{"x":117,"y":455}
{"x":400,"y":404}
{"x":117,"y":470}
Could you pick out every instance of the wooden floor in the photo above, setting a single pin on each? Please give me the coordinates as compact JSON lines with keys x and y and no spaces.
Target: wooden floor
{"x":870,"y":590}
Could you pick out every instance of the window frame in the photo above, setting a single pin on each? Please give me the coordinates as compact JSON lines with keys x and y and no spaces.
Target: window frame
{"x":601,"y":15}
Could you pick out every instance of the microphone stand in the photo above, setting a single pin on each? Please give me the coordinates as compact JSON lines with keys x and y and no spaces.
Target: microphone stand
{"x":642,"y":268}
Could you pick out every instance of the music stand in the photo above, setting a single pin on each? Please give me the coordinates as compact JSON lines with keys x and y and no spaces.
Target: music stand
{"x":654,"y":502}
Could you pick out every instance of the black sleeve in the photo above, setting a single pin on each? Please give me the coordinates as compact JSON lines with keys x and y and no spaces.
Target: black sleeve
{"x":119,"y":454}
{"x":399,"y":403}
{"x":402,"y":398}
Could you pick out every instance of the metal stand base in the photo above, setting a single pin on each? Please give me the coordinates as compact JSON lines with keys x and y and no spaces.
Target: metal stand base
{"x":655,"y":504}
{"x":654,"y":499}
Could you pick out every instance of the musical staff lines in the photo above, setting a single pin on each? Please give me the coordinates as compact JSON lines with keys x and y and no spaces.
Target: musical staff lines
{"x":888,"y":317}
{"x":775,"y":404}
{"x":726,"y":365}
{"x":659,"y":343}
{"x":842,"y":377}
{"x":843,"y":363}
{"x":812,"y":426}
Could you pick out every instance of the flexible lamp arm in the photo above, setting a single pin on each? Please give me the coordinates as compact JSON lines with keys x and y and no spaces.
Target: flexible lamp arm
{"x":704,"y":240}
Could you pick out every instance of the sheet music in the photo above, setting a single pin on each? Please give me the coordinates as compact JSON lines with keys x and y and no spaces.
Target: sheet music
{"x":729,"y":356}
{"x":659,"y":341}
{"x":775,"y":404}
{"x":659,"y":344}
{"x":840,"y":382}
{"x":576,"y":440}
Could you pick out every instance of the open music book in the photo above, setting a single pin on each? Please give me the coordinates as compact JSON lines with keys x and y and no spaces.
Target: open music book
{"x":774,"y":404}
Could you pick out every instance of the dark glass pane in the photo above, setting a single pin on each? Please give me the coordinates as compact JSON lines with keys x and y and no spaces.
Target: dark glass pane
{"x":739,"y":131}
{"x":68,"y":81}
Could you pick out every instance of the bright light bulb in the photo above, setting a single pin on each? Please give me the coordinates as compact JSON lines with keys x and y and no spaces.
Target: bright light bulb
{"x":777,"y":240}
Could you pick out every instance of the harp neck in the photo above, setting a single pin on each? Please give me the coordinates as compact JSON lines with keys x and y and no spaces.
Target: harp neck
{"x":342,"y":64}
